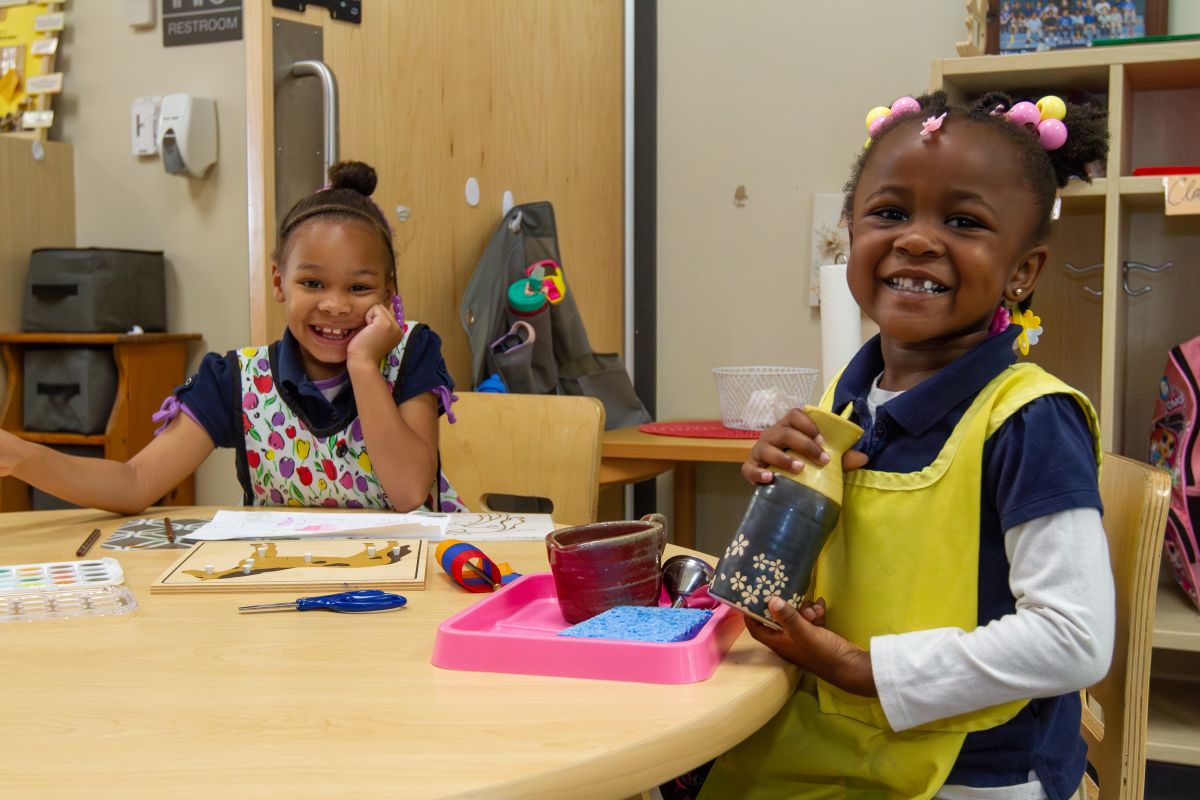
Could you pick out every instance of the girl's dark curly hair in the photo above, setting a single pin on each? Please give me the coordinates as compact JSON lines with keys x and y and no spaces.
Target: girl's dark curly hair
{"x":348,"y":196}
{"x":1045,"y":171}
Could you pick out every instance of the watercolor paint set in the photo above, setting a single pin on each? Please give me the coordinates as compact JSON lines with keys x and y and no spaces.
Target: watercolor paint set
{"x":90,"y":573}
{"x":63,"y":589}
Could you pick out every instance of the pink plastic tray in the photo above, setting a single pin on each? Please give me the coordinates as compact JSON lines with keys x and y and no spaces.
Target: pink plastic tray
{"x":514,"y":630}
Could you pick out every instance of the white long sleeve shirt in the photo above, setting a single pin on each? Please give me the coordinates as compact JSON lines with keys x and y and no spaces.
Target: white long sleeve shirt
{"x":1059,"y":639}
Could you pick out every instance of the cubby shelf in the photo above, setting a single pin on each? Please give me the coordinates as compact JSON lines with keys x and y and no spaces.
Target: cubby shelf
{"x":1171,"y":735}
{"x":1113,"y":336}
{"x":149,"y":366}
{"x":1176,"y":620}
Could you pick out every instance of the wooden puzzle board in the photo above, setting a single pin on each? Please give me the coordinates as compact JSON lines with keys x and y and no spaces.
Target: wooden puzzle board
{"x":319,"y":565}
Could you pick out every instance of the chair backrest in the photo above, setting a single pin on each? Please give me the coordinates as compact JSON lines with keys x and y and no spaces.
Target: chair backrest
{"x":1135,"y":497}
{"x":526,"y":445}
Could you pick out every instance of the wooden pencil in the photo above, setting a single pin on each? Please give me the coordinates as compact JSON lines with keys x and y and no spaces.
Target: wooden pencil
{"x":167,"y":527}
{"x":87,"y":543}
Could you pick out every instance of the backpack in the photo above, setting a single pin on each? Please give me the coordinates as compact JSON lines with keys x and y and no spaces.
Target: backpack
{"x":1173,"y":447}
{"x":549,"y":354}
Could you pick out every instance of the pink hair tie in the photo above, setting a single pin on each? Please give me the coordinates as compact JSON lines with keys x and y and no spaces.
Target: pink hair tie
{"x":1000,"y":321}
{"x":1045,"y":118}
{"x":398,"y":309}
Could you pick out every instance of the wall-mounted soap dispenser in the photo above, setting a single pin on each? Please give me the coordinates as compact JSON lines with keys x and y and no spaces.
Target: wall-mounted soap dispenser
{"x":187,"y":134}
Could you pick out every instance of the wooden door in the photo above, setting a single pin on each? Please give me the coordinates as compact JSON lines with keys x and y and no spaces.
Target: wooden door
{"x":522,"y":95}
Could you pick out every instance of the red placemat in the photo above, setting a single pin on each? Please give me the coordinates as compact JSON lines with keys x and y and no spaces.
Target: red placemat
{"x":1182,"y":169}
{"x":700,"y":428}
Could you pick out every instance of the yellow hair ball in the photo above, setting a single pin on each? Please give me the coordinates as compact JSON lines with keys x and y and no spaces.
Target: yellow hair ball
{"x":875,"y":113}
{"x":1052,"y":107}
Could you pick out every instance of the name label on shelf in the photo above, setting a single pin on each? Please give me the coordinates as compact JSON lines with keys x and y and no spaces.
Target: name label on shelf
{"x":1182,"y":194}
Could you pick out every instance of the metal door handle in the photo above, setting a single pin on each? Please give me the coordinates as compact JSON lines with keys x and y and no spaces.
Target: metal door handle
{"x":329,"y":94}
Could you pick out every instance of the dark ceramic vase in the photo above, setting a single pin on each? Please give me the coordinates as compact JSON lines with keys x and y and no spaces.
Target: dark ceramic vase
{"x":785,"y":528}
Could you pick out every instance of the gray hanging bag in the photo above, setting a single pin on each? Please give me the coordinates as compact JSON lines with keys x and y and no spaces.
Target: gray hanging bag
{"x":558,"y":358}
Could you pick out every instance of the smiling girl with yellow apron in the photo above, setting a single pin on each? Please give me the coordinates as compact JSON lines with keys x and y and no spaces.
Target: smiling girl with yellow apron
{"x":904,"y":557}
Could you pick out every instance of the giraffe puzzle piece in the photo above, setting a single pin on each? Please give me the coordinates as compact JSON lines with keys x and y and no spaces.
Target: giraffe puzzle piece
{"x":266,"y":558}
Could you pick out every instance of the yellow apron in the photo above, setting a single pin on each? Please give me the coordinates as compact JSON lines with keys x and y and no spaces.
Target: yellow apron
{"x":903,"y":557}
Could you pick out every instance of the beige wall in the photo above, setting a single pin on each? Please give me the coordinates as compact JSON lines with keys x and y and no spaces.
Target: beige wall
{"x":771,"y":95}
{"x":122,"y":200}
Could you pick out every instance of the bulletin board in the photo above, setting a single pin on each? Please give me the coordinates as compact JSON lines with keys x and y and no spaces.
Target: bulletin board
{"x":18,"y":33}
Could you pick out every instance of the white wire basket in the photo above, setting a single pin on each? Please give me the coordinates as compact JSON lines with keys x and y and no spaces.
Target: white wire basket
{"x":754,"y":398}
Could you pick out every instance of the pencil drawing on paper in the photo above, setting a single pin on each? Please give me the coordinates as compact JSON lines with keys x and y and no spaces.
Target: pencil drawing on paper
{"x":495,"y":523}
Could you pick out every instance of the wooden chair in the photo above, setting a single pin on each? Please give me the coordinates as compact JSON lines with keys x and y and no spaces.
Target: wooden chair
{"x":1135,"y":498}
{"x":525,"y":445}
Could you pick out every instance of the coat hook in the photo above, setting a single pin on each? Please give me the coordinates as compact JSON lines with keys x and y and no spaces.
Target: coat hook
{"x":1138,"y":265}
{"x":1083,"y":271}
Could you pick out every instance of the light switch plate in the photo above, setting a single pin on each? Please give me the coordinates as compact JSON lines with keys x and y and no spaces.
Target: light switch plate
{"x":140,"y":13}
{"x":143,"y":122}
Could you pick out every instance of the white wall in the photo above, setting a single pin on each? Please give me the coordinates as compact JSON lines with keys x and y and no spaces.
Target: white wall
{"x":125,"y":201}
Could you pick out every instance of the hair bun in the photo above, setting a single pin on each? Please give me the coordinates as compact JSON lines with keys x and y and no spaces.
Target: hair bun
{"x":353,"y":175}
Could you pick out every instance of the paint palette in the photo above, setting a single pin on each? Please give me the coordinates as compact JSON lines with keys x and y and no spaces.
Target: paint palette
{"x":62,"y":590}
{"x":100,"y":601}
{"x":59,"y":575}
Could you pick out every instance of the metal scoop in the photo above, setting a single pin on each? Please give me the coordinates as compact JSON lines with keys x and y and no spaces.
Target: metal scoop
{"x":686,"y":579}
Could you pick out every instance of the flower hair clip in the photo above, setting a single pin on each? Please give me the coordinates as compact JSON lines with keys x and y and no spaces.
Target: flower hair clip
{"x":1045,"y":118}
{"x":933,"y":124}
{"x":1031,"y":329}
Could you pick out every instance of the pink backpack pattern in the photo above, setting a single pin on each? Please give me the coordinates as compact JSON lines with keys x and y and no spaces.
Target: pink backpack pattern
{"x":1173,"y":446}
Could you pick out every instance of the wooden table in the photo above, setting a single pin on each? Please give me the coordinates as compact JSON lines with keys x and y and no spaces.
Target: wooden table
{"x":188,"y":698}
{"x":627,"y":455}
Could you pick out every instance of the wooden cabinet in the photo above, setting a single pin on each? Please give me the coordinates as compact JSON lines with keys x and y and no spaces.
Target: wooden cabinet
{"x":1105,"y":333}
{"x":149,"y":366}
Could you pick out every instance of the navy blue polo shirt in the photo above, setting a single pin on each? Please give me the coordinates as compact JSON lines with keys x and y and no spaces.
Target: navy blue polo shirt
{"x":212,"y":395}
{"x":1039,"y":462}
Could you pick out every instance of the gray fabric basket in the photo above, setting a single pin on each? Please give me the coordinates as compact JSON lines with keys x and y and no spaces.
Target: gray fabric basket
{"x":69,"y":389}
{"x":94,"y":289}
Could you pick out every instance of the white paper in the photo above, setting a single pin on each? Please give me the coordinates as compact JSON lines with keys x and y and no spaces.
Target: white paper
{"x":492,"y":527}
{"x":474,"y":527}
{"x":841,"y":322}
{"x":227,"y":525}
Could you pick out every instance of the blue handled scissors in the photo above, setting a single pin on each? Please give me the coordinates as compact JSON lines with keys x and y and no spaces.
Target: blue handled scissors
{"x":345,"y":602}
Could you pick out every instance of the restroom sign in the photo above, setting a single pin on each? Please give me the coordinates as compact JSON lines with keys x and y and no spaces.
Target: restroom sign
{"x":201,"y":21}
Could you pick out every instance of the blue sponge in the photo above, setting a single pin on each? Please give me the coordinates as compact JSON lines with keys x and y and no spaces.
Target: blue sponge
{"x":642,"y":624}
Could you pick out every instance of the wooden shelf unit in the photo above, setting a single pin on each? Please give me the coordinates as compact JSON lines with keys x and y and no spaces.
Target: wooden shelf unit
{"x":149,"y":366}
{"x":1152,"y":93}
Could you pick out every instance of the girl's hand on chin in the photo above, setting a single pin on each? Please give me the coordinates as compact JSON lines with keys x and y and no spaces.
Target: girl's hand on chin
{"x":379,"y":336}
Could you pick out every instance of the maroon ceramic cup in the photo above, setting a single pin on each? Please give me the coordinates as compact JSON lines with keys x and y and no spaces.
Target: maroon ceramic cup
{"x":602,"y":565}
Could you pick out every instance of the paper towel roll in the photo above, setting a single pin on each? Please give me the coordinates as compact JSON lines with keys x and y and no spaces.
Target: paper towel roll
{"x":841,"y":321}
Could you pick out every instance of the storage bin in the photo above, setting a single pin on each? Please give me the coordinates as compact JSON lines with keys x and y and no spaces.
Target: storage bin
{"x":69,"y":388}
{"x":95,"y":290}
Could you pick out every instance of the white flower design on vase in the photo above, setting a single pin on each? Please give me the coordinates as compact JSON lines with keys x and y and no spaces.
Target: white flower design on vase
{"x":738,"y":546}
{"x":738,"y":582}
